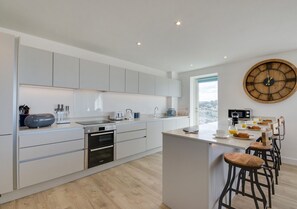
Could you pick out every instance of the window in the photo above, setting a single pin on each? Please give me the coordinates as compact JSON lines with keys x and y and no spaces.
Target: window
{"x":207,"y":100}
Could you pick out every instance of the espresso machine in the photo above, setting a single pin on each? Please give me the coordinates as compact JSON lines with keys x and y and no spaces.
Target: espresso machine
{"x":235,"y":118}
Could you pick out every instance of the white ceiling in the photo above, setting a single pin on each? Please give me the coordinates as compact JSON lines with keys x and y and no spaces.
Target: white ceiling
{"x":210,"y":29}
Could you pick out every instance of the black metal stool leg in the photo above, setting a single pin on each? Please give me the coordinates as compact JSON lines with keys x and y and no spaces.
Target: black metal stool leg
{"x":260,"y":190}
{"x":269,"y":188}
{"x":253,"y":188}
{"x":231,"y":183}
{"x":225,"y":190}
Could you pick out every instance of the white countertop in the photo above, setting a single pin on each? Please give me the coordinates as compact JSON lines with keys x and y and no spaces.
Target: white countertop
{"x":206,"y":134}
{"x":73,"y":124}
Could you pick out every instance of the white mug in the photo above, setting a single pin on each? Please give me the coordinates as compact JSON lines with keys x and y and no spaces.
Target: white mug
{"x":221,"y":133}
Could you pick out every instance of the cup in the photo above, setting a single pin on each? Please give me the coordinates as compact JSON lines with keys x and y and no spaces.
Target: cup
{"x":220,"y":133}
{"x":136,"y":114}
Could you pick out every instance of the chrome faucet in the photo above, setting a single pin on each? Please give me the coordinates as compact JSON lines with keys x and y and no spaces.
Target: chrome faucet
{"x":155,"y":111}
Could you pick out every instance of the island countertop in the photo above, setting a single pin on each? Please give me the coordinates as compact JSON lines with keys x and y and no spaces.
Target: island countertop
{"x":206,"y":134}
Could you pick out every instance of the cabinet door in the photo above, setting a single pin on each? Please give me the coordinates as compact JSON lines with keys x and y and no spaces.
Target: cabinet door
{"x":154,"y":134}
{"x":7,"y":72}
{"x":94,"y":75}
{"x":162,"y":86}
{"x":183,"y":122}
{"x":131,"y":147}
{"x":117,"y":79}
{"x":66,"y":71}
{"x":169,"y":124}
{"x":6,"y":161}
{"x":175,"y":88}
{"x":132,"y":81}
{"x":35,"y":66}
{"x":146,"y":84}
{"x":41,"y":170}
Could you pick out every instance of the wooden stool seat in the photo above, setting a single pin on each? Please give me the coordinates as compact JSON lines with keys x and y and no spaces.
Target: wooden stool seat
{"x":260,"y":146}
{"x":243,"y":160}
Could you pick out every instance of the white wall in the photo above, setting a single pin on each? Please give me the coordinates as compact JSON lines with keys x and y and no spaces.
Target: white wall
{"x":232,"y":95}
{"x":85,"y":103}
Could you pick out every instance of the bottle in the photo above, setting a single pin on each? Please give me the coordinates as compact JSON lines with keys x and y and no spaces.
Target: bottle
{"x":264,"y":139}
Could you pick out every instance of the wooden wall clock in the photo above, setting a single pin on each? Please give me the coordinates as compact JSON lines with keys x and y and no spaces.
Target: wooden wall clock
{"x":270,"y":81}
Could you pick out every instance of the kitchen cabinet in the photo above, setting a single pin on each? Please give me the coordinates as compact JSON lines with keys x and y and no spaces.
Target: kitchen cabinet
{"x":6,"y":164}
{"x":117,"y":79}
{"x":174,"y":88}
{"x":66,"y":71}
{"x":131,"y":139}
{"x":7,"y":111}
{"x":35,"y":66}
{"x":175,"y":123}
{"x":183,"y":122}
{"x":47,"y":155}
{"x":169,"y":124}
{"x":162,"y":86}
{"x":132,"y":82}
{"x":7,"y":86}
{"x":154,"y":134}
{"x":94,"y":75}
{"x":146,"y":84}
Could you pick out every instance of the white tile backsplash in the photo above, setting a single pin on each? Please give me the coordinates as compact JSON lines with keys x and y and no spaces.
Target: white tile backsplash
{"x":85,"y":103}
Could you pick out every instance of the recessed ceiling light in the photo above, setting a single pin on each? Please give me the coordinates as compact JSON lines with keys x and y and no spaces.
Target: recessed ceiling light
{"x":178,"y":23}
{"x":225,"y":57}
{"x":191,"y":65}
{"x":138,"y":44}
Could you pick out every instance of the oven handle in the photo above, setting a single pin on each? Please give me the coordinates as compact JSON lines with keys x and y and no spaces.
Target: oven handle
{"x":100,"y":134}
{"x":101,"y":148}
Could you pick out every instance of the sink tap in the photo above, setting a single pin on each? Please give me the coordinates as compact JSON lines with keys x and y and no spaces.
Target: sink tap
{"x":155,"y":111}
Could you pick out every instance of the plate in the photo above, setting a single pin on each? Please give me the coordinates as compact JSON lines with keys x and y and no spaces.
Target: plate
{"x":221,"y":137}
{"x":235,"y":137}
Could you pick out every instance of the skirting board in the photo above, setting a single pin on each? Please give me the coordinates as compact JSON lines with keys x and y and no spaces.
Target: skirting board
{"x":16,"y":194}
{"x":290,"y":161}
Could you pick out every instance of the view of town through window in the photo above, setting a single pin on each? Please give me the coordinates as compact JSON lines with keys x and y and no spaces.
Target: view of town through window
{"x":208,"y":99}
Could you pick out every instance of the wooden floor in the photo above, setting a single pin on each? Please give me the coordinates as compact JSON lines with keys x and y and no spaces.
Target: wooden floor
{"x":136,"y":185}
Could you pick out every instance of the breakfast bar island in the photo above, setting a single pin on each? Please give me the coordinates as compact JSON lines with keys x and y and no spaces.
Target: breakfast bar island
{"x":194,"y":172}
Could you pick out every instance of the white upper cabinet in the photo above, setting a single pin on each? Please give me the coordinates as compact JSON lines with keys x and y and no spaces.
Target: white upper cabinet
{"x":132,"y":81}
{"x":146,"y":84}
{"x":162,"y":86}
{"x":94,"y":75}
{"x":35,"y":66}
{"x":174,"y":88}
{"x":66,"y":71}
{"x":117,"y":79}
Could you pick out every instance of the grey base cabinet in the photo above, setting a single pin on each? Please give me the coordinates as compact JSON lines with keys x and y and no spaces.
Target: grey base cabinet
{"x":6,"y":163}
{"x":48,"y":155}
{"x":154,"y":134}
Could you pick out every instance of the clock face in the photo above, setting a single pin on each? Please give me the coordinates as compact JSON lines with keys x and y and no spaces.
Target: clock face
{"x":270,"y":81}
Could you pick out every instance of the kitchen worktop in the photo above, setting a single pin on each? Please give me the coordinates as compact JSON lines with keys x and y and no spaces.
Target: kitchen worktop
{"x":73,"y":124}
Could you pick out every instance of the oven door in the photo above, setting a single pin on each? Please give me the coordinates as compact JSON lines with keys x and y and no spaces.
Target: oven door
{"x":100,"y":156}
{"x":100,"y":139}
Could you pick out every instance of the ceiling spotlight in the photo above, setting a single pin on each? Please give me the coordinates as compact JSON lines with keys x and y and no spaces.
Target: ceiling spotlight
{"x":225,"y":57}
{"x":178,"y":23}
{"x":191,"y":65}
{"x":138,"y":44}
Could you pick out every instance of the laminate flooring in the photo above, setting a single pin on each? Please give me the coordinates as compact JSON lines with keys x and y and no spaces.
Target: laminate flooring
{"x":136,"y":185}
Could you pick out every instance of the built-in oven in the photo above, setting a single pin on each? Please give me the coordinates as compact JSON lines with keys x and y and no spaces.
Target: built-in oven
{"x":99,"y":142}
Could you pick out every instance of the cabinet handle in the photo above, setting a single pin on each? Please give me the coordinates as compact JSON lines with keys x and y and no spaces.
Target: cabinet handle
{"x":101,"y":148}
{"x":100,"y":134}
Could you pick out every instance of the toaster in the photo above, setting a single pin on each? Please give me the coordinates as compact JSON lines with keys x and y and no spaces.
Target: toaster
{"x":117,"y":115}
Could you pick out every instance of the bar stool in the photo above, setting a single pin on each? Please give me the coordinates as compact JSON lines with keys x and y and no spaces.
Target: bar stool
{"x":248,"y":163}
{"x":279,"y":136}
{"x":263,"y":151}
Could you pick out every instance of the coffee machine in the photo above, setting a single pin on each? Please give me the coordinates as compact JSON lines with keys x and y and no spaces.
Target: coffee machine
{"x":235,"y":118}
